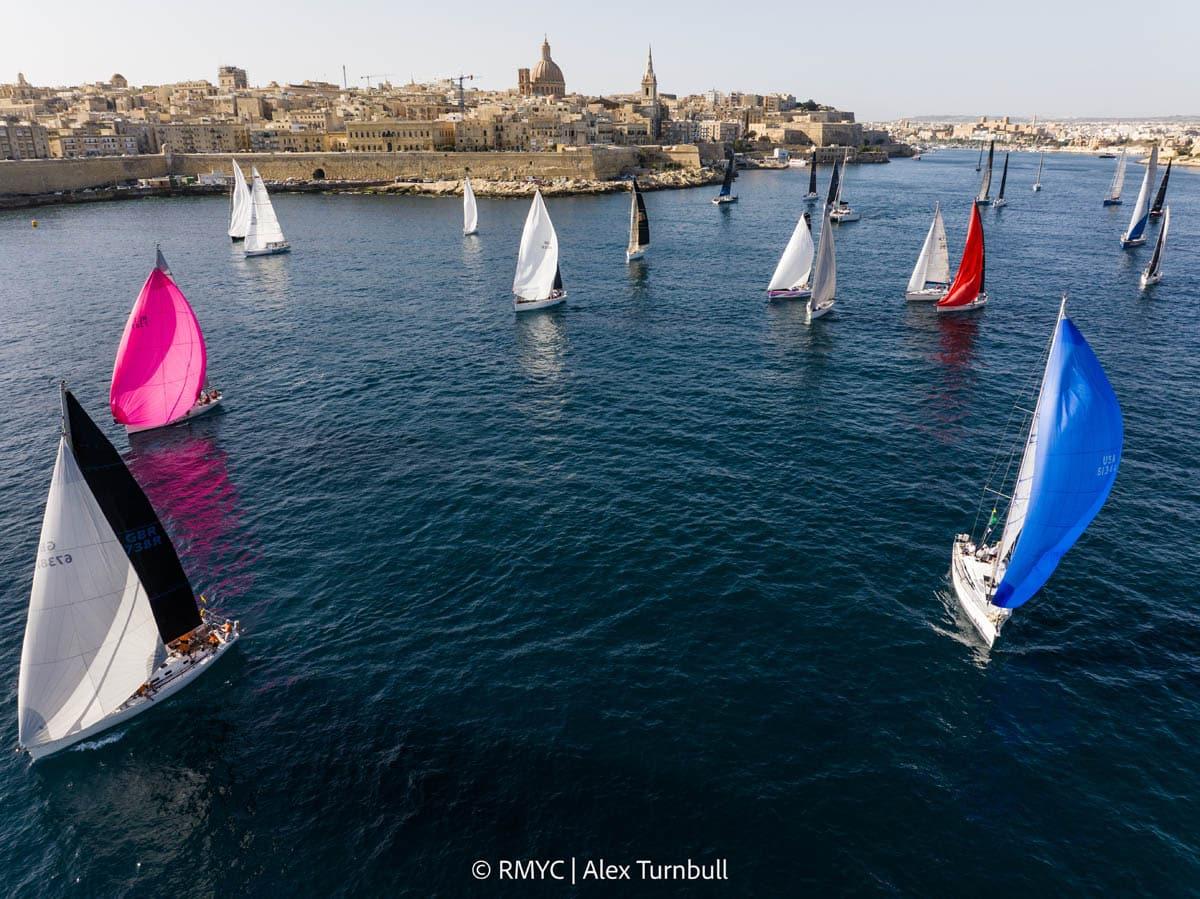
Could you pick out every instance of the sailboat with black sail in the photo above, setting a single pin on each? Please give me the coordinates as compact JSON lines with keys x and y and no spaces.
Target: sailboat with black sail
{"x":1153,"y":272}
{"x":639,"y":225}
{"x":1161,"y":197}
{"x":841,"y":211}
{"x":726,"y":195}
{"x":113,"y":627}
{"x":1068,"y":466}
{"x":1037,"y":185}
{"x":812,"y":178}
{"x":1000,"y":202}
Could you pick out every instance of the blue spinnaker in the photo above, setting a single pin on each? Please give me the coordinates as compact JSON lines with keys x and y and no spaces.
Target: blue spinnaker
{"x":1075,"y":463}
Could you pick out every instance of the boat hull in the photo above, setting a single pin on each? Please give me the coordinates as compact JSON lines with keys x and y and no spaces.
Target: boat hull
{"x":968,"y":574}
{"x":237,"y":239}
{"x":1111,"y":202}
{"x":1037,"y":188}
{"x":983,"y":201}
{"x":722,"y":201}
{"x":1126,"y":243}
{"x":925,"y":295}
{"x":173,"y":675}
{"x":631,"y":255}
{"x":812,"y":196}
{"x":470,"y":233}
{"x":813,"y":313}
{"x":195,"y":412}
{"x":799,"y":293}
{"x":520,"y":305}
{"x":839,"y":217}
{"x":978,"y":303}
{"x":1150,"y":280}
{"x":1155,"y":215}
{"x":270,"y":251}
{"x":999,"y":204}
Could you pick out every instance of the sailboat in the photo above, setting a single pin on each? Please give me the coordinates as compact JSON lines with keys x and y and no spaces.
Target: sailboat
{"x":979,"y":162}
{"x":1153,"y":272}
{"x":264,"y":237}
{"x":1157,"y":209}
{"x":113,"y":626}
{"x":159,"y":375}
{"x":931,"y":274}
{"x":639,"y":225}
{"x":967,"y":292}
{"x":1000,"y":202}
{"x":1070,"y":461}
{"x":1037,"y":185}
{"x":1135,"y":235}
{"x":986,"y":185}
{"x":726,"y":195}
{"x":470,"y":209}
{"x":792,"y":279}
{"x":239,"y":205}
{"x":538,"y":282}
{"x":824,"y":277}
{"x":812,"y":178}
{"x":842,"y":211}
{"x":1118,"y":183}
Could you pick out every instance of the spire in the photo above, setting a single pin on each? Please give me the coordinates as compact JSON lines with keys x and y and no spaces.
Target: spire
{"x":649,"y":60}
{"x":545,"y":46}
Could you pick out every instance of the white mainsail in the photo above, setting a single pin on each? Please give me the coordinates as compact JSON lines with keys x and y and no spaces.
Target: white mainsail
{"x":91,"y":639}
{"x":239,"y":204}
{"x":470,"y":209}
{"x":985,"y":186}
{"x":1118,"y":181}
{"x":824,"y":280}
{"x":933,"y":265}
{"x":1141,"y":209}
{"x":796,"y":264}
{"x":264,"y":227}
{"x":537,"y":261}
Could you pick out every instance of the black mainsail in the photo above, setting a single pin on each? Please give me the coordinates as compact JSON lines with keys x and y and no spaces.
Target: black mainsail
{"x":727,"y":183}
{"x":831,"y":198}
{"x":1161,"y":196}
{"x":135,"y":523}
{"x":643,"y":220}
{"x":1003,"y":178}
{"x":812,"y":175}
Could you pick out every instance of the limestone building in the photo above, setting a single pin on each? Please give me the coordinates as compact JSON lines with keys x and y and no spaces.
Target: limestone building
{"x":545,"y":80}
{"x":231,"y":78}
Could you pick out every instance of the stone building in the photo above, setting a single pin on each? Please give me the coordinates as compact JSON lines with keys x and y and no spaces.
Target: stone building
{"x":392,"y":136}
{"x":546,"y":79}
{"x":23,"y":140}
{"x":231,"y":78}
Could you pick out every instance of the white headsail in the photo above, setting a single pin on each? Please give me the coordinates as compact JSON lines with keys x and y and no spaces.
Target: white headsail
{"x":91,"y":638}
{"x":933,"y":265}
{"x":795,"y":265}
{"x":264,"y":227}
{"x":537,"y":261}
{"x":470,"y":209}
{"x":1136,"y":233}
{"x":1118,"y":181}
{"x":239,"y":204}
{"x":824,"y":281}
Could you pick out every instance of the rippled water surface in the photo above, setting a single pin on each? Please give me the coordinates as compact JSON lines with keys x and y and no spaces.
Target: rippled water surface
{"x":661,"y":575}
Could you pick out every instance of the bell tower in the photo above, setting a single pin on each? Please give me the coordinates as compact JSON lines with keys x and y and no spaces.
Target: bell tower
{"x":650,"y":96}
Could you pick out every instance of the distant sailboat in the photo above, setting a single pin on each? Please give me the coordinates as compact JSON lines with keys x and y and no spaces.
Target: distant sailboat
{"x":1118,"y":182}
{"x":1135,"y":235}
{"x":1037,"y":185}
{"x":812,"y":178}
{"x":538,"y":281}
{"x":726,"y":195}
{"x":470,"y":209}
{"x":1070,"y":462}
{"x":843,"y":211}
{"x":824,"y":277}
{"x":639,"y":225}
{"x":239,"y":205}
{"x":113,"y":625}
{"x":159,"y":375}
{"x":264,"y":237}
{"x":792,"y":279}
{"x":967,"y":292}
{"x":979,"y":162}
{"x":931,"y":274}
{"x":986,"y":185}
{"x":1153,"y":273}
{"x":1000,"y":202}
{"x":1161,"y":197}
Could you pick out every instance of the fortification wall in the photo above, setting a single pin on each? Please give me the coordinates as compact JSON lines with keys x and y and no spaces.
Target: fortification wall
{"x":26,"y":177}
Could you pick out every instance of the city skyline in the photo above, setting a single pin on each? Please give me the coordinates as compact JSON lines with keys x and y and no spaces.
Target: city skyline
{"x":1031,"y":61}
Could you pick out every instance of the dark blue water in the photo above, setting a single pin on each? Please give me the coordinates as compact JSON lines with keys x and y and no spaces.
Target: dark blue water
{"x":662,"y":575}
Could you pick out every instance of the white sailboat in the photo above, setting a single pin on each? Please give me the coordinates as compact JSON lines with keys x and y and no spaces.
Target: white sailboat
{"x":1072,"y":452}
{"x":931,"y":275}
{"x":1037,"y":185}
{"x":470,"y":209}
{"x":538,"y":283}
{"x":639,"y":225}
{"x":1113,"y":197}
{"x":824,"y":278}
{"x":843,"y":211}
{"x":264,"y":237}
{"x":1135,"y":234}
{"x":983,"y":198}
{"x":1153,"y":273}
{"x":113,"y":626}
{"x":239,"y":205}
{"x":793,"y":275}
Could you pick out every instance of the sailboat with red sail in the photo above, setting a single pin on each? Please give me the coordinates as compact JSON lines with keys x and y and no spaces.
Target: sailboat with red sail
{"x":967,"y":291}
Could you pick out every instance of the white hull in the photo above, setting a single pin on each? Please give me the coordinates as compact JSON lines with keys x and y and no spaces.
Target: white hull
{"x":270,"y":250}
{"x":999,"y":204}
{"x":814,"y":313}
{"x":812,"y":196}
{"x":520,"y":305}
{"x":721,"y":201}
{"x":195,"y":412}
{"x":631,"y":255}
{"x":1036,"y":188}
{"x":1150,"y":280}
{"x":844,"y":215}
{"x":798,"y":293}
{"x":925,"y":294}
{"x":978,"y":303}
{"x":168,"y":678}
{"x":971,"y":588}
{"x":1126,"y":243}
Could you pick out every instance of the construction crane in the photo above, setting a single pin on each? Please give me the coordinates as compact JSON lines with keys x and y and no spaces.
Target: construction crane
{"x":460,"y":79}
{"x":367,"y":78}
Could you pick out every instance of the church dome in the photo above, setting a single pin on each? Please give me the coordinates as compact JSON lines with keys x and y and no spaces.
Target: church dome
{"x":547,"y":72}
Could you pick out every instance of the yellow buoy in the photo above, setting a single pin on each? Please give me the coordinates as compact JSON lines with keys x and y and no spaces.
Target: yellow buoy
{"x":34,"y":223}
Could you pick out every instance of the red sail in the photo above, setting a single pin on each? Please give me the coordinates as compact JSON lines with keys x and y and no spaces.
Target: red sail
{"x":968,"y":281}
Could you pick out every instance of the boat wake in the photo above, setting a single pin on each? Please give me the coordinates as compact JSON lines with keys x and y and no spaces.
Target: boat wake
{"x":97,"y":744}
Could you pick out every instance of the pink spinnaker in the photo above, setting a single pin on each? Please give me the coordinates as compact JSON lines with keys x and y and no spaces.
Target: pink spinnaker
{"x":161,"y":361}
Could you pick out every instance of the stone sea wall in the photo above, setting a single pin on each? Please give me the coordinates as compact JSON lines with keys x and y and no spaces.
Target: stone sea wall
{"x":28,"y":177}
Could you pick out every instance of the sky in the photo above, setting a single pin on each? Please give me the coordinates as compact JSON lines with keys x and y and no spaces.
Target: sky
{"x":883,"y":60}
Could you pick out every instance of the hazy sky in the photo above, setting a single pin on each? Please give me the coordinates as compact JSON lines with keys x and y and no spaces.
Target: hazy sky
{"x":880,"y":59}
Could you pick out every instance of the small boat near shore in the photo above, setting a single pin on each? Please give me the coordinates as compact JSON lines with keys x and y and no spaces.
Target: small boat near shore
{"x":812,"y":179}
{"x":470,"y":209}
{"x":726,"y":194}
{"x":239,"y":205}
{"x":538,"y":282}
